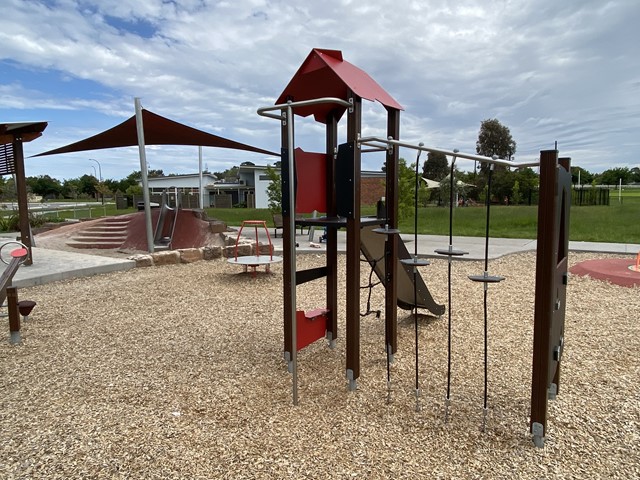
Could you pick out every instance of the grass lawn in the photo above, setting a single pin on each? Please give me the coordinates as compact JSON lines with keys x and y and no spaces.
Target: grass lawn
{"x":616,"y":223}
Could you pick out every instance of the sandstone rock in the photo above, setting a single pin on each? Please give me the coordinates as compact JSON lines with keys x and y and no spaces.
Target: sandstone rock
{"x":170,"y":257}
{"x":142,"y":260}
{"x":190,"y":255}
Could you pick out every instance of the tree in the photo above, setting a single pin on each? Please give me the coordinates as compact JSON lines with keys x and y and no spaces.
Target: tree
{"x":228,"y":173}
{"x":274,"y":190}
{"x":635,"y":174}
{"x":436,"y":166}
{"x":45,"y":186}
{"x":406,"y":188}
{"x":71,"y":188}
{"x":614,"y":175}
{"x":8,"y":188}
{"x":87,"y":185}
{"x":528,"y":181}
{"x":582,"y":174}
{"x":502,"y":185}
{"x":494,"y":139}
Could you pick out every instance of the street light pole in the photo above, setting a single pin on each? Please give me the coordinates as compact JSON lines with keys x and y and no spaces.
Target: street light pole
{"x":100,"y":176}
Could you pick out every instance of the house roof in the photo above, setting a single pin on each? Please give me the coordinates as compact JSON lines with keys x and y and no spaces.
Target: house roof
{"x":158,"y":130}
{"x":324,"y":73}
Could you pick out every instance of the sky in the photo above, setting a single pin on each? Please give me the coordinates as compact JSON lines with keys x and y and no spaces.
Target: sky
{"x":550,"y":71}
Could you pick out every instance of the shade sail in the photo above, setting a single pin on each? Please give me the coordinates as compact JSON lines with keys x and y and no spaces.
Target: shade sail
{"x":324,"y":73}
{"x":158,"y":130}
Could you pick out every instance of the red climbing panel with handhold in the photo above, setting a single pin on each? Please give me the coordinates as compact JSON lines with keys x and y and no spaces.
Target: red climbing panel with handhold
{"x":311,"y":326}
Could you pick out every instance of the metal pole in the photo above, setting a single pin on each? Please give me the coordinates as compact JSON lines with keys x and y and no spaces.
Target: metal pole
{"x":100,"y":176}
{"x":200,"y":171}
{"x":143,"y":173}
{"x":292,"y":254}
{"x":415,"y":285}
{"x":620,"y":192}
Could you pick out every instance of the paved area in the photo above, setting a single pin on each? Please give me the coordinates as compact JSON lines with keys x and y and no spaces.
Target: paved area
{"x":53,"y":265}
{"x":498,"y":247}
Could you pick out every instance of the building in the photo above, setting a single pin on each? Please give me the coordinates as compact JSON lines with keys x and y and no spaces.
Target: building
{"x":249,"y":188}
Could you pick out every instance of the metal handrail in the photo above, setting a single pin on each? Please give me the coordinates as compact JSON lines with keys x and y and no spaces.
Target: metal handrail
{"x":264,"y":111}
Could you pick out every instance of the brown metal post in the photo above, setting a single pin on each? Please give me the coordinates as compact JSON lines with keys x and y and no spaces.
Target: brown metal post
{"x":354,"y":119}
{"x":551,"y":282}
{"x":563,"y":266}
{"x":332,"y":232}
{"x":287,"y":237}
{"x":391,"y":202}
{"x":14,"y":315}
{"x":23,"y":204}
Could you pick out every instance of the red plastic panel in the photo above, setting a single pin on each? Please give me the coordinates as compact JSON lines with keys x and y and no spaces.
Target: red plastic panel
{"x":311,"y":171}
{"x":310,"y":329}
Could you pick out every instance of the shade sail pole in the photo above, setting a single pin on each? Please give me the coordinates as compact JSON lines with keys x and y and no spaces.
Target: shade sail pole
{"x":143,"y":172}
{"x":200,"y":172}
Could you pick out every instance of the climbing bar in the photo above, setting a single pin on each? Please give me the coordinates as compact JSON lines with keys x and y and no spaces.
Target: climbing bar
{"x":376,"y":141}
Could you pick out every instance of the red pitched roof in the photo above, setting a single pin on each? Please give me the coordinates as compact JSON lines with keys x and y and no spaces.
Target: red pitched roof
{"x":325,"y":74}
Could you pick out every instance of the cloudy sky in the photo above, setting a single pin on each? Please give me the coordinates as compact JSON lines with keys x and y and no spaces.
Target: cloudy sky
{"x":565,"y":71}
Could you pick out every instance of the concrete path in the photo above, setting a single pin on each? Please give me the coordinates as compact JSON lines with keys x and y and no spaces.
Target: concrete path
{"x":498,"y":247}
{"x":53,"y":265}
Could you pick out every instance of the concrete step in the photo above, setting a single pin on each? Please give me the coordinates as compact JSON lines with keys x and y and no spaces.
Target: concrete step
{"x":105,"y":228}
{"x":100,"y":233}
{"x":94,"y":244}
{"x":87,"y":237}
{"x":117,"y":220}
{"x":107,"y":234}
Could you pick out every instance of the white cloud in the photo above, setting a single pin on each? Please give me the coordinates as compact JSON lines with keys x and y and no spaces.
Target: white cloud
{"x":565,"y":71}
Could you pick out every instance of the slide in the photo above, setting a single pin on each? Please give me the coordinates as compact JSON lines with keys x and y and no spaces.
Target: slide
{"x":372,"y":247}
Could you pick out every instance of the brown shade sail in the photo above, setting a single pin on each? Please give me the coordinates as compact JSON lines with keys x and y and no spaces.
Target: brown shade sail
{"x":158,"y":130}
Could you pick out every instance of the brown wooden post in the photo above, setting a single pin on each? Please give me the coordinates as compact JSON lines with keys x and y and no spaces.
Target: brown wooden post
{"x":354,"y":118}
{"x":391,"y":203}
{"x":551,"y":283}
{"x":23,"y":204}
{"x":14,"y":315}
{"x":332,"y":232}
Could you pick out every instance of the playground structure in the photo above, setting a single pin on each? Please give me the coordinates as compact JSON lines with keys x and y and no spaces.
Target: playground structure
{"x":18,"y":256}
{"x":254,"y":261}
{"x":327,"y":87}
{"x":166,"y":223}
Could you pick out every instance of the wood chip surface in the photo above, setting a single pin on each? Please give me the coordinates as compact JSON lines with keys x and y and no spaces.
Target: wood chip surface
{"x":177,"y":372}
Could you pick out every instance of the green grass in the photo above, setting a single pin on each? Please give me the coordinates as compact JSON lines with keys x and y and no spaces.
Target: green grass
{"x":617,"y":223}
{"x":235,"y":216}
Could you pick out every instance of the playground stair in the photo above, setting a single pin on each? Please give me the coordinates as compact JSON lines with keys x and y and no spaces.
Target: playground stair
{"x":110,"y":232}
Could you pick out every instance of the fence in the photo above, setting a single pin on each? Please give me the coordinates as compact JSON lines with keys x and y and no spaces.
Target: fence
{"x":590,"y":196}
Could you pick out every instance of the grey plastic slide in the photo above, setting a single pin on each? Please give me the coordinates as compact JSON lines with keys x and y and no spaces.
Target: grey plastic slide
{"x":372,"y":247}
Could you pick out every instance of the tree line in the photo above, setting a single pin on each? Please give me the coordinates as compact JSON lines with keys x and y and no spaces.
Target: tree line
{"x":509,"y":186}
{"x":86,"y":186}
